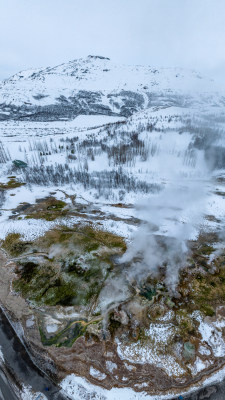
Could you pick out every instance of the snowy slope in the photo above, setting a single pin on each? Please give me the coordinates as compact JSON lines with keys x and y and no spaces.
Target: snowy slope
{"x":95,"y":85}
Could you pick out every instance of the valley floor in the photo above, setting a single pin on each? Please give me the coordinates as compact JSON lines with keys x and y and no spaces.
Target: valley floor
{"x":112,"y":250}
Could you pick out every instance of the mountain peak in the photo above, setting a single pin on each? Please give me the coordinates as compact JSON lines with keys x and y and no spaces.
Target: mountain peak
{"x":99,"y":57}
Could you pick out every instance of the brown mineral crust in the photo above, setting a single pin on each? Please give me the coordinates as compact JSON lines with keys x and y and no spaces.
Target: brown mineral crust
{"x":220,"y":312}
{"x":60,"y":362}
{"x":85,"y":354}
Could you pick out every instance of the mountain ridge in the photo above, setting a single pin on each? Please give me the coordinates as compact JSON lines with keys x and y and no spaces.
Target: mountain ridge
{"x":95,"y":85}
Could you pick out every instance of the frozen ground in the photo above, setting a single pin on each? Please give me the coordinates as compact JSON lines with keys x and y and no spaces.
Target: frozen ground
{"x":129,"y":162}
{"x":79,"y":389}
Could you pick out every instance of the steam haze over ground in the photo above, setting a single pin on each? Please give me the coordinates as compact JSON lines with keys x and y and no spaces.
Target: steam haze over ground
{"x":176,"y":215}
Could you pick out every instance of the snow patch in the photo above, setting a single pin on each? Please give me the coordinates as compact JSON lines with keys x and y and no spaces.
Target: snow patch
{"x":97,"y":374}
{"x":211,"y":335}
{"x":111,"y":366}
{"x":28,"y":394}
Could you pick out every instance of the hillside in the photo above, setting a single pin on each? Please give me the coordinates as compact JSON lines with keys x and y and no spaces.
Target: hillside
{"x":97,"y":86}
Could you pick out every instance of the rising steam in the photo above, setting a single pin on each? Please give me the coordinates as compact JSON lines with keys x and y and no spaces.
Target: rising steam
{"x":173,"y":216}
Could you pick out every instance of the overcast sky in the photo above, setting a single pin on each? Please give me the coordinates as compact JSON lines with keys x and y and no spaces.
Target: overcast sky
{"x":39,"y":33}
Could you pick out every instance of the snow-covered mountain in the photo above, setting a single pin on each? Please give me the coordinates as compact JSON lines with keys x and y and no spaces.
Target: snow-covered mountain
{"x":95,"y":85}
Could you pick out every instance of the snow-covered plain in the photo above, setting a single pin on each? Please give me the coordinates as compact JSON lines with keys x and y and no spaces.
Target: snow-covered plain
{"x":165,"y":158}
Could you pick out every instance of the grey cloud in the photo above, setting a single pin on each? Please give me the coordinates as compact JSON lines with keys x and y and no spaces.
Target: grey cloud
{"x":186,"y":33}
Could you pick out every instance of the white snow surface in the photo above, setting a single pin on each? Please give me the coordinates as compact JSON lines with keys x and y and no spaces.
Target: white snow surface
{"x":97,"y":374}
{"x":28,"y":394}
{"x":96,"y":74}
{"x":153,"y":351}
{"x":80,"y":389}
{"x":1,"y":356}
{"x":212,"y":334}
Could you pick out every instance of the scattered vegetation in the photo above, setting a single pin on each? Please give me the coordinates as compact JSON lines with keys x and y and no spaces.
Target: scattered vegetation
{"x":204,"y":288}
{"x":48,"y":209}
{"x":67,"y":336}
{"x":72,"y":273}
{"x":186,"y":325}
{"x":2,"y":197}
{"x":4,"y":154}
{"x":11,"y":184}
{"x":86,"y":236}
{"x":14,"y":245}
{"x":103,"y":182}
